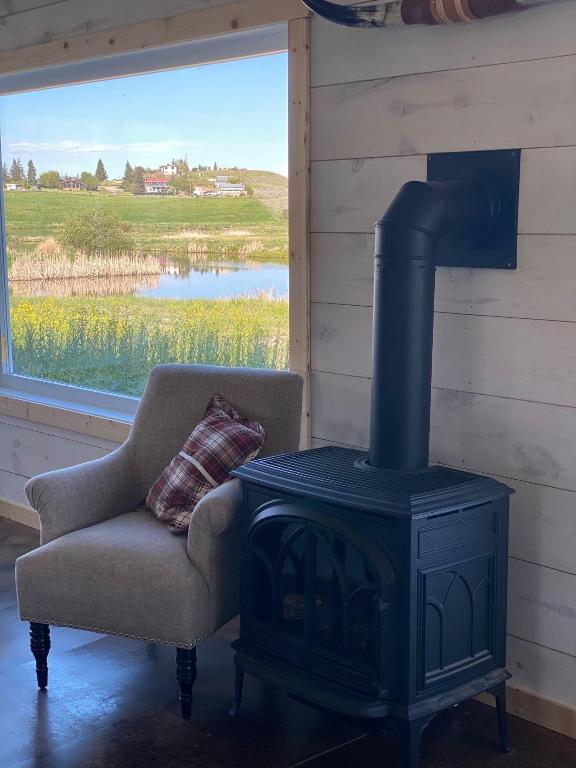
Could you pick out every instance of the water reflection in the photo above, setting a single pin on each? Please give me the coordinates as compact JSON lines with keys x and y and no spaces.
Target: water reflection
{"x":174,"y":279}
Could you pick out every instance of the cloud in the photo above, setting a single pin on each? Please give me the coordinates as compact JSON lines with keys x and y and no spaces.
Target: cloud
{"x":82,"y":147}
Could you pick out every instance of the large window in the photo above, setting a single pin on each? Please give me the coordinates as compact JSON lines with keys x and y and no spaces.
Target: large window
{"x":145,"y":221}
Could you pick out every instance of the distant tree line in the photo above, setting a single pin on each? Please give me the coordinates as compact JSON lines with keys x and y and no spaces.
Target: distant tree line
{"x":49,"y":179}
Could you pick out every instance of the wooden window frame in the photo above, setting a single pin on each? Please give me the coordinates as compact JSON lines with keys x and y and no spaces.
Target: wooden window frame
{"x":79,"y":409}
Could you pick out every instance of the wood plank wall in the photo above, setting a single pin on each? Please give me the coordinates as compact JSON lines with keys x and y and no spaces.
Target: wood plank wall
{"x":31,"y":22}
{"x":27,"y":449}
{"x":504,"y":399}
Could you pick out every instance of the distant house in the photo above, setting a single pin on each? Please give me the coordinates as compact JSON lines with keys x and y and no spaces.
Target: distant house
{"x":71,"y":183}
{"x":170,"y":169}
{"x":232,"y":190}
{"x":10,"y":186}
{"x":156,"y":186}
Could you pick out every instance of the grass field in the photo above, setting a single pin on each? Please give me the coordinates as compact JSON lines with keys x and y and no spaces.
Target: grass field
{"x":167,"y":225}
{"x":112,"y":344}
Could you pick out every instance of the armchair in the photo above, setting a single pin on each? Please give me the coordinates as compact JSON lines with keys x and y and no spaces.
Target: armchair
{"x":105,"y":566}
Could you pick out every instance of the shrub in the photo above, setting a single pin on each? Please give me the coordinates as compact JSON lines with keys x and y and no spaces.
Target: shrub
{"x":95,"y":231}
{"x":50,"y":180}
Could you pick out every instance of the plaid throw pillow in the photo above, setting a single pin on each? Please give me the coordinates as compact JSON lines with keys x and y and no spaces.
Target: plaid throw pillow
{"x":221,"y":442}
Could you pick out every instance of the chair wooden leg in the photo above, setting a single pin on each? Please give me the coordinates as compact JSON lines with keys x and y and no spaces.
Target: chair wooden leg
{"x":186,"y":673}
{"x":40,"y":646}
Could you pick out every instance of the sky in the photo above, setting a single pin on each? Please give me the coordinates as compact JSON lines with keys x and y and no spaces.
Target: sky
{"x":234,"y":113}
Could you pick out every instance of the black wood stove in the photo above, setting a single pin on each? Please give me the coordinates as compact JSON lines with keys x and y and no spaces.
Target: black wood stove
{"x":374,"y":585}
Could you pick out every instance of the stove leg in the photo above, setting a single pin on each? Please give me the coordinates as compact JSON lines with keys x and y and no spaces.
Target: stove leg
{"x":499,"y":693}
{"x":235,"y":708}
{"x":410,"y":738}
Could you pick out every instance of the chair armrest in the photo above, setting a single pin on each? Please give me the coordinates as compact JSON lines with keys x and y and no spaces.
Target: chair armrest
{"x":218,"y":510}
{"x":214,"y":544}
{"x":76,"y":497}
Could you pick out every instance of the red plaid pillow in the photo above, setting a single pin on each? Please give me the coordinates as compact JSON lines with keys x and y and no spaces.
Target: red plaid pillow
{"x":219,"y":443}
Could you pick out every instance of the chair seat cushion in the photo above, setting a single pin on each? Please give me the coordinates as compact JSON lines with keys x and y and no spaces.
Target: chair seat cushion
{"x":123,"y":576}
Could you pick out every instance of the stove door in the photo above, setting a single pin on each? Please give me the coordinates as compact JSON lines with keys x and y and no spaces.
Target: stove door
{"x":319,"y":595}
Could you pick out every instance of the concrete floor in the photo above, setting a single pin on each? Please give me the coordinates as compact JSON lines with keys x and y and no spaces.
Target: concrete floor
{"x":113,"y":703}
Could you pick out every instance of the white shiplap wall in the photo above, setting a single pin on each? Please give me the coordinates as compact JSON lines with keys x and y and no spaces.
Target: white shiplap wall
{"x":504,"y":400}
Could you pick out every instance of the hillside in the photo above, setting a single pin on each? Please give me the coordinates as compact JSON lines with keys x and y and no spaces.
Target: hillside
{"x":271,"y":188}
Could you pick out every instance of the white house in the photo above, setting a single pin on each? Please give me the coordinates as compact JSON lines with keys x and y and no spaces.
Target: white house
{"x":170,"y":169}
{"x":156,"y":186}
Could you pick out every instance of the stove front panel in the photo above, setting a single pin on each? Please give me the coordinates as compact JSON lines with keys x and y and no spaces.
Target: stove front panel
{"x":319,"y":593}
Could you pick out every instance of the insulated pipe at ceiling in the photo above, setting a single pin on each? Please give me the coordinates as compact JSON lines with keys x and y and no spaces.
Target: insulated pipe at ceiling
{"x":431,"y":12}
{"x":404,"y":277}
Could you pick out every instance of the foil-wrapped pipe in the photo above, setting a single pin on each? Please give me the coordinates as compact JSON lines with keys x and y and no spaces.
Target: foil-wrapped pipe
{"x":389,"y":13}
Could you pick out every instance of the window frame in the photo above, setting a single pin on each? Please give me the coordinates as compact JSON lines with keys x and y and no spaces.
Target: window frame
{"x":274,"y":38}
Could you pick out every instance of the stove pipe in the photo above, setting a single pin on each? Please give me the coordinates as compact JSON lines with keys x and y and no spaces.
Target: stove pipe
{"x":406,"y":239}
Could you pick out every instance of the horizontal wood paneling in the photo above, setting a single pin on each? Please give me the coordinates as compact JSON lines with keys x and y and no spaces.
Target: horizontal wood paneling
{"x":342,"y":339}
{"x":543,"y":525}
{"x":200,"y":23}
{"x":511,"y":105}
{"x":533,"y":442}
{"x":12,"y":488}
{"x":548,"y":191}
{"x":341,"y":408}
{"x":39,"y":22}
{"x":336,"y":55}
{"x":342,"y":269}
{"x":549,"y":673}
{"x":543,"y":287}
{"x":29,"y":451}
{"x":542,"y":606}
{"x":511,"y":438}
{"x":351,"y":195}
{"x":507,"y":357}
{"x":74,"y":421}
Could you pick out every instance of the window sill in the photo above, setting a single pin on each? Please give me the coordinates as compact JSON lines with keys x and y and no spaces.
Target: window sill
{"x":98,"y":422}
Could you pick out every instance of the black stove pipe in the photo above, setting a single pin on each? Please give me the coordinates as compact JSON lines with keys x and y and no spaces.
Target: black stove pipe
{"x":405,"y":266}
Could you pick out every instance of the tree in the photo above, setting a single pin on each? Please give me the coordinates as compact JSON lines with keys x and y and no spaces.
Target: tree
{"x":90,"y":181}
{"x":31,"y":176}
{"x":50,"y":180}
{"x":5,"y":172}
{"x":17,"y":170}
{"x":101,"y":174}
{"x":128,"y":175}
{"x":136,"y":186}
{"x":95,"y":231}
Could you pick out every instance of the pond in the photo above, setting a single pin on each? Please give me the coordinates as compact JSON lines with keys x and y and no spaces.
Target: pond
{"x":219,"y":280}
{"x":174,"y":279}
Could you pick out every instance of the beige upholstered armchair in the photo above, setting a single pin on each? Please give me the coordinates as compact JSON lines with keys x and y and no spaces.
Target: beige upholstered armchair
{"x":105,"y":566}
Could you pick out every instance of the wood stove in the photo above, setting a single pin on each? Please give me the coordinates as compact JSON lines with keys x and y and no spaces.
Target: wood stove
{"x":374,"y":585}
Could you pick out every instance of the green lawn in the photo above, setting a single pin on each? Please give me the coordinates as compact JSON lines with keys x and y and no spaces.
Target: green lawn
{"x":112,"y":343}
{"x":176,"y":225}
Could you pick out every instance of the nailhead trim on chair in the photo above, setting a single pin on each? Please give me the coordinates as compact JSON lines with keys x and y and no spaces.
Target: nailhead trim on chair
{"x":117,"y":634}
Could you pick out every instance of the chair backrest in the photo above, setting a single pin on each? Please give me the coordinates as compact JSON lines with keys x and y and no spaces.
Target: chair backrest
{"x":176,"y":397}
